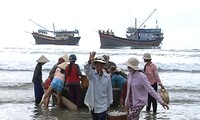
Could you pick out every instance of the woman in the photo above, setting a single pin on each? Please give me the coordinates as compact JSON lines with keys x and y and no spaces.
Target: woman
{"x":137,"y":90}
{"x":37,"y":79}
{"x":61,"y":59}
{"x":57,"y":84}
{"x":150,"y":70}
{"x":119,"y":82}
{"x":47,"y":82}
{"x":73,"y":74}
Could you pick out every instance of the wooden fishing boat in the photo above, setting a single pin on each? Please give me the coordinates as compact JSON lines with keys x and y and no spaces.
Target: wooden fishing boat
{"x":135,"y":37}
{"x":61,"y":37}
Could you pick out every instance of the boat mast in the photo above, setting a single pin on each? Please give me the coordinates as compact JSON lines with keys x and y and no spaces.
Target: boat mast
{"x":135,"y":23}
{"x":147,"y":18}
{"x":54,"y":30}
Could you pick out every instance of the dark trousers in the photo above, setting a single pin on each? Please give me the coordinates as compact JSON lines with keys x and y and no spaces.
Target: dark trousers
{"x":39,"y":91}
{"x":75,"y":91}
{"x":98,"y":116}
{"x":152,"y":100}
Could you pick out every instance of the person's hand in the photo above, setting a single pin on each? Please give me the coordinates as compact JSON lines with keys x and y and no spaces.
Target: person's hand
{"x":165,"y":106}
{"x":162,"y":87}
{"x":91,"y":57}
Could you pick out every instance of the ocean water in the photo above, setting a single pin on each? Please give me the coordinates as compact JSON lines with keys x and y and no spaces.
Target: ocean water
{"x":179,"y":70}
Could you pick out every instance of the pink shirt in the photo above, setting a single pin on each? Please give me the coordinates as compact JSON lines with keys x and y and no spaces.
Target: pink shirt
{"x":151,"y":72}
{"x":59,"y":75}
{"x":140,"y":87}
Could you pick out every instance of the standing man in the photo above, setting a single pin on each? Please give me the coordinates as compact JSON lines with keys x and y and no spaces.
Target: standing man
{"x":99,"y":94}
{"x":151,"y":71}
{"x":37,"y":79}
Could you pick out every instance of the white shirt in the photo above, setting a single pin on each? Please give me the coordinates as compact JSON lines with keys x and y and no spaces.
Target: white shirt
{"x":99,"y":95}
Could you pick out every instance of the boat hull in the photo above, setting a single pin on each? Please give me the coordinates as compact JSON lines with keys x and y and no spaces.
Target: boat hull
{"x":111,"y":41}
{"x":44,"y":39}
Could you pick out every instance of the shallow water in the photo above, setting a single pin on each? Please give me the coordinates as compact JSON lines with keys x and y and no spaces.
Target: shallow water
{"x":179,"y":71}
{"x":27,"y":111}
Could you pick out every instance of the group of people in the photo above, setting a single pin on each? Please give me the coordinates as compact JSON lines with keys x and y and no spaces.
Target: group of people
{"x":64,"y":74}
{"x":138,"y":88}
{"x":139,"y":84}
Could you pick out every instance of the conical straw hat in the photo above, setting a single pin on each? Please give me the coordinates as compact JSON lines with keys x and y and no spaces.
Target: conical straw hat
{"x":65,"y":57}
{"x":42,"y":59}
{"x":63,"y":65}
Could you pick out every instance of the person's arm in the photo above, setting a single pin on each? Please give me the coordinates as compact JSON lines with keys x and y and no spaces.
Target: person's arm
{"x":88,"y":66}
{"x":36,"y":73}
{"x":155,"y":71}
{"x":51,"y":73}
{"x":113,"y":81}
{"x":110,"y":92}
{"x":78,"y":70}
{"x":153,"y":93}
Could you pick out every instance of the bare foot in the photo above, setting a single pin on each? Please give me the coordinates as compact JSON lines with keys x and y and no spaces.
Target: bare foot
{"x":41,"y":103}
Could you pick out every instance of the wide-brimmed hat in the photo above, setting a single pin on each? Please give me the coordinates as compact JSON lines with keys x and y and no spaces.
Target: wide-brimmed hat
{"x":65,"y":57}
{"x":63,"y":65}
{"x":99,"y":59}
{"x":42,"y":59}
{"x":133,"y":63}
{"x":147,"y":56}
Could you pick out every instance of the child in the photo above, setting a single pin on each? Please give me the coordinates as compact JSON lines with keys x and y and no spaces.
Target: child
{"x":57,"y":84}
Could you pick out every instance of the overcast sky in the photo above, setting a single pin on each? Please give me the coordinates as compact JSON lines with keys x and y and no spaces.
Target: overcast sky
{"x":179,"y":19}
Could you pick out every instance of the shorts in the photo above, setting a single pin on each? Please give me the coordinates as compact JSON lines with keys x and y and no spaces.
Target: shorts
{"x":57,"y":84}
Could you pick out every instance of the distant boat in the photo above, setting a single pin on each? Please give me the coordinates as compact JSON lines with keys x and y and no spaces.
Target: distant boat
{"x":135,"y":37}
{"x":61,"y":37}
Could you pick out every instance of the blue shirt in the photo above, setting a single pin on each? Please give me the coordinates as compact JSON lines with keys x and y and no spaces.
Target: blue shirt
{"x":118,"y":81}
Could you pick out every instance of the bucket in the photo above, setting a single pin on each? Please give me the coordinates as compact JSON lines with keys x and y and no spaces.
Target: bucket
{"x":116,"y":115}
{"x":84,"y":81}
{"x":164,"y":95}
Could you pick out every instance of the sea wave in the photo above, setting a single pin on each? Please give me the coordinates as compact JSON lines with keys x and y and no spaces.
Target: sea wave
{"x":185,"y":60}
{"x":15,"y":85}
{"x":176,"y":67}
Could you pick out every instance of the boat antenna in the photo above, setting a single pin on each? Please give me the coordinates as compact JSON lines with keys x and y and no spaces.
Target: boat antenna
{"x":39,"y":25}
{"x":147,"y":18}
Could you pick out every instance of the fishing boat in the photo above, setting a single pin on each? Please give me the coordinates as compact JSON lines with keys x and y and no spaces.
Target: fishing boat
{"x":61,"y":37}
{"x":135,"y":37}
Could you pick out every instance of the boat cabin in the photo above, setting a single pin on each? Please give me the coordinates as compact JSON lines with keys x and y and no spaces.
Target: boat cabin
{"x":64,"y":34}
{"x":143,"y":34}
